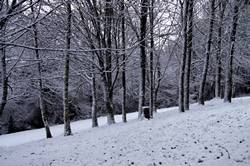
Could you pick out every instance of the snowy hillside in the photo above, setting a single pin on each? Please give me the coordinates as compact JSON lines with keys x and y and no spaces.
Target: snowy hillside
{"x":215,"y":134}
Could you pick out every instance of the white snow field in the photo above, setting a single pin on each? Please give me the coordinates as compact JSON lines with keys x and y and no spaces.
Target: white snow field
{"x":217,"y":134}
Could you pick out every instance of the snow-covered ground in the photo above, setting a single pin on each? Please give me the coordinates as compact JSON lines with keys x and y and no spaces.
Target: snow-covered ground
{"x":215,"y":134}
{"x":78,"y":126}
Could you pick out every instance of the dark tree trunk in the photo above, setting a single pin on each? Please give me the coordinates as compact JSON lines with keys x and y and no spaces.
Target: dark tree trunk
{"x":124,"y":118}
{"x":108,"y":99}
{"x":183,"y":61}
{"x":222,"y":8}
{"x":189,"y":55}
{"x":108,"y":82}
{"x":143,"y":56}
{"x":201,"y":98}
{"x":229,"y":70}
{"x":67,"y":128}
{"x":4,"y":73}
{"x":151,"y":98}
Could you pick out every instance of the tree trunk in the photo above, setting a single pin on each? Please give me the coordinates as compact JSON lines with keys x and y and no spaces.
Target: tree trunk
{"x":222,"y":8}
{"x":158,"y":80}
{"x":108,"y":82}
{"x":93,"y":89}
{"x":4,"y":73}
{"x":184,"y":54}
{"x":67,"y":128}
{"x":124,"y":118}
{"x":229,"y":70}
{"x":40,"y":83}
{"x":143,"y":56}
{"x":151,"y":98}
{"x":6,"y":16}
{"x":108,"y":99}
{"x":201,"y":98}
{"x":189,"y":55}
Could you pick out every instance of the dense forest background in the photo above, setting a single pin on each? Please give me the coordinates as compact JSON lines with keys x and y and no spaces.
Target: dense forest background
{"x":87,"y":58}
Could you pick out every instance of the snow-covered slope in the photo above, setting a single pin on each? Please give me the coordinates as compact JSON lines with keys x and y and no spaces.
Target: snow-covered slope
{"x":57,"y":130}
{"x":215,"y":134}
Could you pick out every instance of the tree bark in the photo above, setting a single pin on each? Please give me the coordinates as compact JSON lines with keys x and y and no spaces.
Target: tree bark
{"x":201,"y":98}
{"x":158,"y":80}
{"x":222,"y":7}
{"x":104,"y":57}
{"x":229,"y":70}
{"x":124,"y":117}
{"x":93,"y":91}
{"x":40,"y":83}
{"x":6,"y":16}
{"x":151,"y":64}
{"x":189,"y":55}
{"x":184,"y":55}
{"x":143,"y":56}
{"x":67,"y":128}
{"x":4,"y":73}
{"x":108,"y":82}
{"x":108,"y":99}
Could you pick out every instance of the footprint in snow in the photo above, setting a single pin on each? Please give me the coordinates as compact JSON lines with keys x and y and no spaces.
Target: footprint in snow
{"x":200,"y":161}
{"x":241,"y":141}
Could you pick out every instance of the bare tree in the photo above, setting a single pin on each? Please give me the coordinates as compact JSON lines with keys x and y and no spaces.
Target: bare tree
{"x":222,"y":7}
{"x":151,"y":63}
{"x":124,"y":91}
{"x":143,"y":56}
{"x":99,"y":30}
{"x":93,"y":90}
{"x":229,"y":69}
{"x":40,"y":81}
{"x":4,"y":73}
{"x":189,"y":54}
{"x":67,"y":128}
{"x":201,"y":98}
{"x":107,"y":74}
{"x":7,"y":12}
{"x":184,"y":55}
{"x":158,"y":78}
